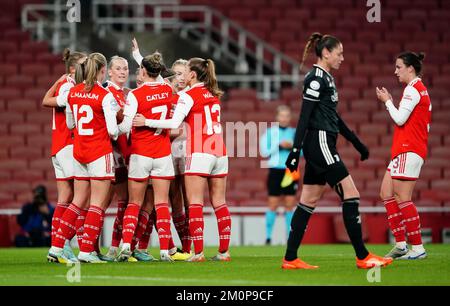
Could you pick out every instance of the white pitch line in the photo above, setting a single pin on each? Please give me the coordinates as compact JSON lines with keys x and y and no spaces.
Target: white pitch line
{"x":161,"y":279}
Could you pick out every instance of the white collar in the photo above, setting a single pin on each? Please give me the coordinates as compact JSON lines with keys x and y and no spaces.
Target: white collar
{"x":414,"y":81}
{"x":111,"y":83}
{"x":184,"y":90}
{"x":318,"y":66}
{"x":153,"y":83}
{"x":201,"y":84}
{"x":70,"y":79}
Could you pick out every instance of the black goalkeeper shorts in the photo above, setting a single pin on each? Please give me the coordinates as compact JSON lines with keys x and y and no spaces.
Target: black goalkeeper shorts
{"x":323,"y":163}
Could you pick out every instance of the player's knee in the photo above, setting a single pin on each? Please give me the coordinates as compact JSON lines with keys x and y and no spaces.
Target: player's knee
{"x":310,"y":201}
{"x":385,"y":195}
{"x":402,"y":197}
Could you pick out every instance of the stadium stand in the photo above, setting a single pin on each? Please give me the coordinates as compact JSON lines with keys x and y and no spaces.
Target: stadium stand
{"x":28,"y":69}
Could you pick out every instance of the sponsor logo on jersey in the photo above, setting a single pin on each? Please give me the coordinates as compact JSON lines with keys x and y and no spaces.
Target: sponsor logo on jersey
{"x":335,"y":97}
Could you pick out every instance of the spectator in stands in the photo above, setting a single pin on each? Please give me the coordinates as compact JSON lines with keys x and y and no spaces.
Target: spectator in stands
{"x":282,"y":185}
{"x":35,"y":221}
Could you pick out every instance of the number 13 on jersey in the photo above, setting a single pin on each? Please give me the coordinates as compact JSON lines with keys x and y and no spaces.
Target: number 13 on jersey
{"x":212,"y":117}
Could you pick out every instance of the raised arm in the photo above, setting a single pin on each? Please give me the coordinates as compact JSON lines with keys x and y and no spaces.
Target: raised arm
{"x":411,"y":98}
{"x":49,"y":100}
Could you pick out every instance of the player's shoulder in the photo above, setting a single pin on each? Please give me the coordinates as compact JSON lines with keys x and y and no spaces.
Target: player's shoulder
{"x":77,"y":87}
{"x":315,"y":78}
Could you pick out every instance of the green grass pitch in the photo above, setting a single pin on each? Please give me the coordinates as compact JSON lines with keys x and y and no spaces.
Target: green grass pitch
{"x":252,"y":266}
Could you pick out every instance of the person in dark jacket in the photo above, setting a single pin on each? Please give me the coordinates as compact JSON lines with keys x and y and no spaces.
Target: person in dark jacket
{"x":35,"y":220}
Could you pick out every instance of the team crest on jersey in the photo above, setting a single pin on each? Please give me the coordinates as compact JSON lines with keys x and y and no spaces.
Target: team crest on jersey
{"x":315,"y":85}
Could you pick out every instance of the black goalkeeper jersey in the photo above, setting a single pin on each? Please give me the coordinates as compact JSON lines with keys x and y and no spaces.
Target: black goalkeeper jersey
{"x":319,"y":88}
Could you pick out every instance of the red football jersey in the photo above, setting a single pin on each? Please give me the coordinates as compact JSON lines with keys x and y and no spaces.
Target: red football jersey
{"x":117,"y":92}
{"x":61,"y":135}
{"x":122,"y":140}
{"x":91,"y":138}
{"x":204,"y":131}
{"x":154,"y":101}
{"x":413,"y":135}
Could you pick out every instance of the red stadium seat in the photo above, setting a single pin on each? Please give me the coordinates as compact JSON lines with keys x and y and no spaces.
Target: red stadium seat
{"x":19,"y":81}
{"x":35,"y":69}
{"x":37,"y":47}
{"x":12,"y":117}
{"x":22,"y":105}
{"x":8,"y":47}
{"x":7,"y":70}
{"x":9,"y":93}
{"x":26,"y":128}
{"x":246,"y":93}
{"x":28,"y":176}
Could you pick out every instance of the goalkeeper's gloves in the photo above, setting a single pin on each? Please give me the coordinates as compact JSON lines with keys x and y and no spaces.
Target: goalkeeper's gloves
{"x":293,"y":159}
{"x":361,"y":148}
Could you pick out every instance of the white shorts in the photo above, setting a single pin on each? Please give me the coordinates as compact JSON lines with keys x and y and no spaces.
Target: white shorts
{"x":204,"y":164}
{"x":100,"y":169}
{"x":142,"y":168}
{"x":406,"y":166}
{"x":63,"y":164}
{"x":179,"y":155}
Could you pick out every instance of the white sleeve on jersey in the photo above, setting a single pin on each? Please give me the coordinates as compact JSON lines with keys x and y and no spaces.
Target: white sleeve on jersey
{"x":137,"y":57}
{"x":110,"y":109}
{"x":411,"y":98}
{"x":182,"y":109}
{"x":129,"y":112}
{"x":61,"y":99}
{"x":70,"y":120}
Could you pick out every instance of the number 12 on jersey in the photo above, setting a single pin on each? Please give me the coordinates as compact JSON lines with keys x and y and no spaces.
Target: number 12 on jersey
{"x":86,"y":109}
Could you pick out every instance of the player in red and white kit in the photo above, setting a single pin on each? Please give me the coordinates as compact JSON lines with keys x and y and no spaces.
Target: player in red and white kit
{"x":177,"y":193}
{"x":150,"y":155}
{"x":206,"y":159}
{"x":408,"y":153}
{"x":62,"y":143}
{"x":91,"y":112}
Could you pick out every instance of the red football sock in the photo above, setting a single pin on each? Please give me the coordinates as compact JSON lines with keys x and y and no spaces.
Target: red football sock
{"x":118,"y":222}
{"x":79,"y":224}
{"x":224,"y":226}
{"x":412,"y":222}
{"x":196,"y":225}
{"x":97,"y":243}
{"x":187,"y":241}
{"x":395,"y":219}
{"x":179,"y":221}
{"x":144,"y":241}
{"x":92,"y":228}
{"x":141,"y":228}
{"x":66,"y":226}
{"x":163,"y":225}
{"x":130,"y":221}
{"x":57,"y":215}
